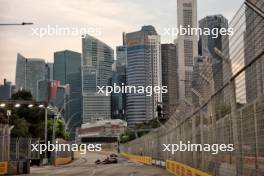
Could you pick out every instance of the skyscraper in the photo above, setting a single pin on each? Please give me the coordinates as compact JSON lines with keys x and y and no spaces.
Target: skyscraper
{"x":119,"y":78}
{"x":143,"y":69}
{"x":169,"y":78}
{"x":67,"y":70}
{"x":49,"y":71}
{"x":202,"y":89}
{"x":187,"y":46}
{"x":207,"y":43}
{"x":28,"y":73}
{"x":43,"y":90}
{"x":96,"y":71}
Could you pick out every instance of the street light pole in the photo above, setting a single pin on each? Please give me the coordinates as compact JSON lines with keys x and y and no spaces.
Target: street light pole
{"x":8,"y":114}
{"x":58,"y":113}
{"x":15,"y":24}
{"x":70,"y":119}
{"x":46,"y":130}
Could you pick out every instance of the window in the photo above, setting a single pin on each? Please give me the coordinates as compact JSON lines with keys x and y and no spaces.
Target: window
{"x":188,"y":53}
{"x":187,"y":18}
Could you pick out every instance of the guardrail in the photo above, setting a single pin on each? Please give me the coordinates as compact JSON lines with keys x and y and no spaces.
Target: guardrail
{"x":179,"y":169}
{"x":3,"y":167}
{"x":62,"y":160}
{"x":142,"y":159}
{"x":173,"y":167}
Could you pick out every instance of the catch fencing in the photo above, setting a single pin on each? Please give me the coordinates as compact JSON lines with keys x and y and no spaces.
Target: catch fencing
{"x":4,"y":142}
{"x":21,"y":149}
{"x":232,"y":113}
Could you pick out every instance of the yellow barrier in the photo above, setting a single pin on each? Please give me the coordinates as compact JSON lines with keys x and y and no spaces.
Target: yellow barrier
{"x":3,"y":168}
{"x":109,"y":150}
{"x":62,"y":161}
{"x":179,"y":169}
{"x":142,"y":159}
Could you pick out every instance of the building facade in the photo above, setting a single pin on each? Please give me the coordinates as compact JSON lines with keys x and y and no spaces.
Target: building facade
{"x":6,"y":90}
{"x":207,"y":44}
{"x":187,"y":47}
{"x":119,"y":78}
{"x":28,"y":73}
{"x":97,"y":63}
{"x":49,"y":71}
{"x":67,"y":70}
{"x":104,"y":132}
{"x":143,"y":69}
{"x":202,"y":83}
{"x":169,"y":78}
{"x":43,"y":90}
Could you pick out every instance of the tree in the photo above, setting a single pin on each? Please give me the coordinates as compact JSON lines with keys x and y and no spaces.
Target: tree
{"x":21,"y":127}
{"x":22,"y":95}
{"x":59,"y":128}
{"x":127,"y":136}
{"x":28,"y":122}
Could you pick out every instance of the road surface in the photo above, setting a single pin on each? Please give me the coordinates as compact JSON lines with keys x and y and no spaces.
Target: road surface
{"x":85,"y":166}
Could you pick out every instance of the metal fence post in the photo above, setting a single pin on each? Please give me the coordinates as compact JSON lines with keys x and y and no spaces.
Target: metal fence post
{"x":194,"y":141}
{"x":256,"y":135}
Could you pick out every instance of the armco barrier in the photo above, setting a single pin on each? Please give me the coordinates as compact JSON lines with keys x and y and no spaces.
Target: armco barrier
{"x":142,"y":159}
{"x":179,"y":169}
{"x":109,"y":150}
{"x":62,"y":160}
{"x":3,"y":168}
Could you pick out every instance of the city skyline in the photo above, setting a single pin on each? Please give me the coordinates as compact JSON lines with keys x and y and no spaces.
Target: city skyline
{"x":113,"y":19}
{"x":175,"y":88}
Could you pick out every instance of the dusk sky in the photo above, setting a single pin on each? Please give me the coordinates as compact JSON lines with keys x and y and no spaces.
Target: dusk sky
{"x":112,"y":17}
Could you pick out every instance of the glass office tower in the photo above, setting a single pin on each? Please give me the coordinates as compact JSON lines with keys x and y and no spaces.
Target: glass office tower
{"x":97,"y":63}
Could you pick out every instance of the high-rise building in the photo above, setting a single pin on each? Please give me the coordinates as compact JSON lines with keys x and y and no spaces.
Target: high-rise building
{"x":143,"y":69}
{"x":254,"y":44}
{"x":121,"y":56}
{"x":202,"y":84}
{"x":67,"y":70}
{"x":43,"y":90}
{"x":6,"y":90}
{"x":119,"y":78}
{"x":207,"y":45}
{"x":187,"y":47}
{"x":66,"y":63}
{"x":169,"y":78}
{"x":97,"y":63}
{"x":28,"y":73}
{"x":49,"y":71}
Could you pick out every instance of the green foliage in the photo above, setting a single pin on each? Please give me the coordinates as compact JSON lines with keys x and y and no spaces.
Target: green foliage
{"x":59,"y":128}
{"x":30,"y":122}
{"x":22,"y":95}
{"x":149,"y":125}
{"x":127,"y":136}
{"x":146,"y":127}
{"x":35,"y":118}
{"x":21,"y":127}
